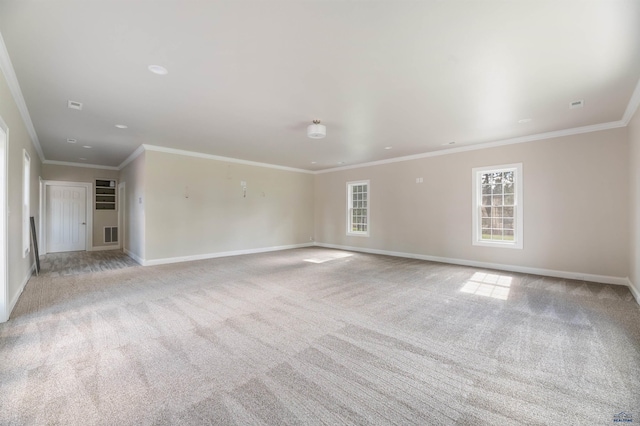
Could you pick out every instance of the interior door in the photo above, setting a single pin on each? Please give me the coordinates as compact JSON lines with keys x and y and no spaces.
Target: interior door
{"x":66,"y":218}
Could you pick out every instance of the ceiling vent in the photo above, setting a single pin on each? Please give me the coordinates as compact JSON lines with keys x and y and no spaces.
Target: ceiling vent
{"x":576,"y":104}
{"x":74,"y":105}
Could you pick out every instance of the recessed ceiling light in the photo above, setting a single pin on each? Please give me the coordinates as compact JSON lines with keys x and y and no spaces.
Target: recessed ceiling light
{"x":388,"y":147}
{"x":313,"y":162}
{"x":525,"y":120}
{"x":157,"y":69}
{"x":82,"y":158}
{"x":86,"y":146}
{"x":121,"y":126}
{"x":72,"y":140}
{"x":74,"y":105}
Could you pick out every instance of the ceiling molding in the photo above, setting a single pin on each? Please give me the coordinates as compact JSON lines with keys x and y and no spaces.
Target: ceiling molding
{"x":12,"y":81}
{"x":132,"y":157}
{"x":512,"y":141}
{"x":219,"y":158}
{"x":88,"y":166}
{"x":632,"y":106}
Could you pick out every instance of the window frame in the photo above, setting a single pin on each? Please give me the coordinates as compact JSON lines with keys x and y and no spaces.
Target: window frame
{"x":26,"y":203}
{"x":518,"y":205}
{"x":349,"y":209}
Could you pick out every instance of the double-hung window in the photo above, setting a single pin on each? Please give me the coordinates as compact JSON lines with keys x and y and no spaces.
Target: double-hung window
{"x":358,"y":208}
{"x":497,"y":206}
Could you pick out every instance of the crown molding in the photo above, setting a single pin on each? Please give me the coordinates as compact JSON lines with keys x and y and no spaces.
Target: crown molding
{"x":88,"y":166}
{"x":139,"y":150}
{"x":632,"y":106}
{"x":475,"y":147}
{"x":219,"y":158}
{"x":14,"y":87}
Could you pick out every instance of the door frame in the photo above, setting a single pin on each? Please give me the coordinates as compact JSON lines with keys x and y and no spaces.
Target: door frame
{"x":4,"y":247}
{"x":89,"y":215}
{"x":121,"y":197}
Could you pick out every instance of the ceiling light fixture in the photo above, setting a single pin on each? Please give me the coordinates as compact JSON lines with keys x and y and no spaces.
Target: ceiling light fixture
{"x":157,"y":69}
{"x":122,"y":126}
{"x":316,"y":130}
{"x":72,"y":140}
{"x":388,"y":147}
{"x":86,"y":146}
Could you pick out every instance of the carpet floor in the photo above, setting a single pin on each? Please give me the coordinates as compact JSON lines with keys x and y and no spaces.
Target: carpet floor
{"x":318,"y":336}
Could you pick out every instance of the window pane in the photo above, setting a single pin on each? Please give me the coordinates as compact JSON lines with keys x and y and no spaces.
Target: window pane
{"x":508,"y":200}
{"x":486,"y":223}
{"x":486,"y":189}
{"x":508,"y":212}
{"x":496,"y":212}
{"x":486,"y":211}
{"x":497,"y":189}
{"x":496,"y":234}
{"x":497,"y":200}
{"x":509,"y":188}
{"x":486,"y":234}
{"x":486,"y":200}
{"x":508,"y":223}
{"x":508,"y":235}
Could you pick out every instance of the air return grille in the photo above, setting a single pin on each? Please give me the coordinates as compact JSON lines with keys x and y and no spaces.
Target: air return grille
{"x":110,"y":234}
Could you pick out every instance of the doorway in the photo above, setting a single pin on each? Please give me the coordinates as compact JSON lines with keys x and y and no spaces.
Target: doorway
{"x":68,"y":219}
{"x":4,"y":283}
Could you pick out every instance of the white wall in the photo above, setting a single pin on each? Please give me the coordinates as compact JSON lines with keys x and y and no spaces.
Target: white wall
{"x":19,"y":267}
{"x":133,"y":175}
{"x":196,"y":207}
{"x":634,"y":201}
{"x":575,"y":200}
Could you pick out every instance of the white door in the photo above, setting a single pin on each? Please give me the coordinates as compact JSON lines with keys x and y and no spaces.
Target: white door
{"x":66,"y":218}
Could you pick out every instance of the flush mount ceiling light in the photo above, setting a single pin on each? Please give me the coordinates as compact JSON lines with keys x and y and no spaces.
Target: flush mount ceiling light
{"x":72,"y":140}
{"x":316,"y":130}
{"x":121,"y":126}
{"x":157,"y":69}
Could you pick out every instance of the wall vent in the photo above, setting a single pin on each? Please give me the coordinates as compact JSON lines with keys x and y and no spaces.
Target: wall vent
{"x":110,"y":234}
{"x":74,"y":105}
{"x":576,"y":104}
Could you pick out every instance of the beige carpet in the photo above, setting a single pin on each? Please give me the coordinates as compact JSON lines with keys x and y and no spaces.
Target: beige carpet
{"x":317,"y":336}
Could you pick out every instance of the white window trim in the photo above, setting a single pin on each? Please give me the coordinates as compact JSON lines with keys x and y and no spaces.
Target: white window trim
{"x":26,"y":203}
{"x":349,"y":231}
{"x":475,"y":206}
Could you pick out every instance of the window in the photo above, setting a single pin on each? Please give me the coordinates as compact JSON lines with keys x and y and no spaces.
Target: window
{"x":497,"y":206}
{"x":26,"y":196}
{"x":358,"y":208}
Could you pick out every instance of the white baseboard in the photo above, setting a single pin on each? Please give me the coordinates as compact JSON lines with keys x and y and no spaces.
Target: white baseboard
{"x":101,"y":248}
{"x":219,"y":254}
{"x":6,"y":315}
{"x":634,"y":290}
{"x":134,"y":256}
{"x":486,"y":265}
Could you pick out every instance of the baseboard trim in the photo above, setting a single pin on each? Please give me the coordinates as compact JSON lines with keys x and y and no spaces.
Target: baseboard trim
{"x":101,"y":248}
{"x":15,"y":298}
{"x":634,"y":290}
{"x":165,"y":261}
{"x":134,"y":256}
{"x":486,"y":265}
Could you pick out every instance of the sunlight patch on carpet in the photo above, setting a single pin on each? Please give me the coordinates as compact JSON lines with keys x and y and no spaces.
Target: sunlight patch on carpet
{"x":489,"y":285}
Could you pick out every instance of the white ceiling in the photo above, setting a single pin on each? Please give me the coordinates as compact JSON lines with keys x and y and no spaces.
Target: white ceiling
{"x":247,"y":77}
